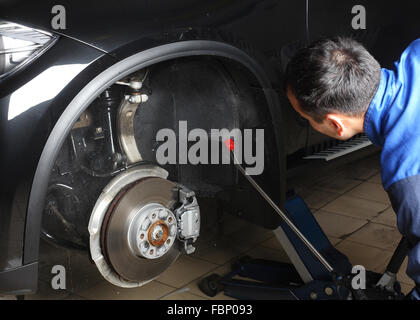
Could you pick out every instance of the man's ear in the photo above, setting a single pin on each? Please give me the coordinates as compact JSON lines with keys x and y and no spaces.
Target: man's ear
{"x":337,"y":122}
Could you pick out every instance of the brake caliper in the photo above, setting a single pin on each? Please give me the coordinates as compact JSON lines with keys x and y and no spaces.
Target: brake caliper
{"x":188,"y":218}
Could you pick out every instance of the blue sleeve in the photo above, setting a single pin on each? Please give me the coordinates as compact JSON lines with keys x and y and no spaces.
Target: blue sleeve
{"x":400,"y":123}
{"x":405,"y":199}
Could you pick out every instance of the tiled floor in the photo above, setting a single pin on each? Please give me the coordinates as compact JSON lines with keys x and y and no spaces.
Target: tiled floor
{"x":349,"y":203}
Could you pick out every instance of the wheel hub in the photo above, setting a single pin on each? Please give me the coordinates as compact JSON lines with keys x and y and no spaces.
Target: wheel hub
{"x":152,"y":231}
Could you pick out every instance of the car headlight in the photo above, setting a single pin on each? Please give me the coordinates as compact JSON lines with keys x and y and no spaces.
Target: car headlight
{"x":19,"y":45}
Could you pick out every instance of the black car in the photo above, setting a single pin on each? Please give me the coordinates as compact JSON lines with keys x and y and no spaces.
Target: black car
{"x":86,"y":87}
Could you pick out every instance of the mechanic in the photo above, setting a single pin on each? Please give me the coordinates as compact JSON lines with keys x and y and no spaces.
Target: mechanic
{"x":342,"y":91}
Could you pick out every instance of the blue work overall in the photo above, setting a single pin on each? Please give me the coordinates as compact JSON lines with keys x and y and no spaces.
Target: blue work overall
{"x":392,"y":122}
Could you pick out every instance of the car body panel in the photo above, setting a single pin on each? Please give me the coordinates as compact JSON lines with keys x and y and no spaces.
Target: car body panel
{"x":29,"y":109}
{"x":109,"y":26}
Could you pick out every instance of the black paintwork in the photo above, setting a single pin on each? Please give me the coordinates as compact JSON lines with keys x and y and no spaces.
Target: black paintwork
{"x":99,"y":34}
{"x":24,"y":136}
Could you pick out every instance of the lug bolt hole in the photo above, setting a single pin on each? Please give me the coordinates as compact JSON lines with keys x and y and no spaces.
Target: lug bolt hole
{"x":151,"y":251}
{"x":170,"y":219}
{"x":142,"y":236}
{"x":168,"y":241}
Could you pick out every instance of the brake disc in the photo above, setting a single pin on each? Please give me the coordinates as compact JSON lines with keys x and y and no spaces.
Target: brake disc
{"x":117,"y":205}
{"x":140,"y":224}
{"x":139,"y":231}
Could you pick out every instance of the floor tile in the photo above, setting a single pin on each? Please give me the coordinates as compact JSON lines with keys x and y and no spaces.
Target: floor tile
{"x":260,"y":252}
{"x":315,"y":198}
{"x":184,"y":270}
{"x":74,"y":297}
{"x":220,"y":250}
{"x":402,"y":275}
{"x":371,"y":258}
{"x":274,"y":243}
{"x":337,"y":184}
{"x":387,"y":217}
{"x":377,"y":235}
{"x":182,"y":294}
{"x":376,"y":179}
{"x":194,"y":289}
{"x":406,"y":288}
{"x":334,"y":241}
{"x":106,"y":291}
{"x":370,"y":191}
{"x":355,"y":207}
{"x":360,"y":170}
{"x":257,"y":253}
{"x":338,"y":226}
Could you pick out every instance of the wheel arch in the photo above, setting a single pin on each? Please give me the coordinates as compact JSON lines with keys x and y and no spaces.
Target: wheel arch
{"x":106,"y":78}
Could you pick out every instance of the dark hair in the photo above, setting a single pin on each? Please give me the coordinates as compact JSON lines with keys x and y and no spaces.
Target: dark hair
{"x":333,"y":75}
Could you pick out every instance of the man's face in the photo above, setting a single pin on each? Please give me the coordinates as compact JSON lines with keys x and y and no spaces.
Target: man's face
{"x":332,"y":125}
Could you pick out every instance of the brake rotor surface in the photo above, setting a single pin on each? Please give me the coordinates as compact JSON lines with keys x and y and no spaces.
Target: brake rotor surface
{"x":124,"y":255}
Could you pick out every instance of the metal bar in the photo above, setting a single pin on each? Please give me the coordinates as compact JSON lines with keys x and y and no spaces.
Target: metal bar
{"x":283,"y":216}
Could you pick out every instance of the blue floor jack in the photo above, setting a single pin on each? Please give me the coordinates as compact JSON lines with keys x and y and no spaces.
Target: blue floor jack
{"x":318,"y":271}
